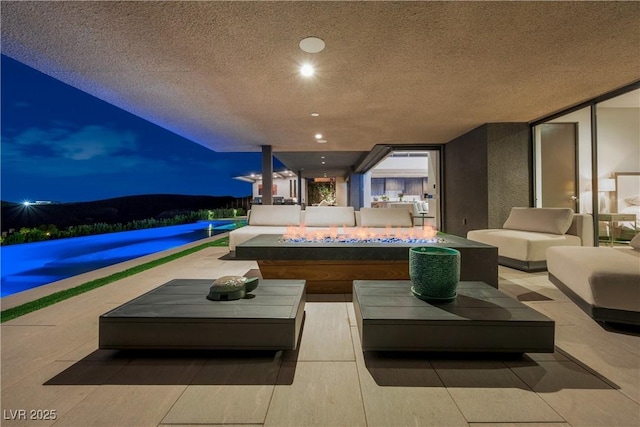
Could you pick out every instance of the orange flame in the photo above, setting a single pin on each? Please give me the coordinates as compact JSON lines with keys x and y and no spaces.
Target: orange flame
{"x":359,"y":233}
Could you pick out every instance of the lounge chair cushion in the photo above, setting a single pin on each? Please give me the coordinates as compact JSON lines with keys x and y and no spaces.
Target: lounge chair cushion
{"x":522,"y":245}
{"x":602,"y":277}
{"x":542,"y":220}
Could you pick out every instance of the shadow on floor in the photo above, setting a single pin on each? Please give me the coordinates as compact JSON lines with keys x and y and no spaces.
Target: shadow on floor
{"x":229,"y":256}
{"x":521,"y":293}
{"x":182,"y":367}
{"x":472,"y":370}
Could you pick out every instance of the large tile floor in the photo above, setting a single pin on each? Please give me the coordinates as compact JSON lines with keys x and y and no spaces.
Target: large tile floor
{"x":50,"y":362}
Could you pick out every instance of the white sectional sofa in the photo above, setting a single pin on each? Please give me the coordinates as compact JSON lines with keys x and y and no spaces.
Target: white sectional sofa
{"x":527,"y":233}
{"x":272,"y":219}
{"x":603,"y":281}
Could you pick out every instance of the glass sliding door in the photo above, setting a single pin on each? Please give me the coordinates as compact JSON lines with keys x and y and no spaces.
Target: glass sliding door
{"x":563,"y":162}
{"x":406,"y":177}
{"x":605,"y":164}
{"x":618,"y":166}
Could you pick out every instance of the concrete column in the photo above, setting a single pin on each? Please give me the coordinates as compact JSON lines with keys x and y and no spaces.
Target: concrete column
{"x":486,"y":172}
{"x":300,"y":187}
{"x":267,"y":175}
{"x":355,"y":191}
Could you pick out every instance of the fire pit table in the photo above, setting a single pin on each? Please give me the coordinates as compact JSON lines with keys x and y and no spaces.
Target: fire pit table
{"x":331,"y":267}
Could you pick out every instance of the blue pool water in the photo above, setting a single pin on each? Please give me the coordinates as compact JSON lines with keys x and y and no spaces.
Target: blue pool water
{"x":29,"y":265}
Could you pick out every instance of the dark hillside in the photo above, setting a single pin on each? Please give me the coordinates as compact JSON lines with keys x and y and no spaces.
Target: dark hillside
{"x":110,"y":211}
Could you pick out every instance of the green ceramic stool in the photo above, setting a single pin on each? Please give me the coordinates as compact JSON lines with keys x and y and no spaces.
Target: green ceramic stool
{"x":434,"y":272}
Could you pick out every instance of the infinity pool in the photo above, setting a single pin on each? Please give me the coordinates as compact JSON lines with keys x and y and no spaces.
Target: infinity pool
{"x":29,"y":265}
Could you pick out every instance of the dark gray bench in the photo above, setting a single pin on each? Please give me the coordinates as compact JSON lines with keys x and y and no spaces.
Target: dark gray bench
{"x":480,"y":319}
{"x":177,"y":315}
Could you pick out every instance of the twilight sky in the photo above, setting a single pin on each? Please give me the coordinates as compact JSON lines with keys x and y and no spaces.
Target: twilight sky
{"x":62,"y":144}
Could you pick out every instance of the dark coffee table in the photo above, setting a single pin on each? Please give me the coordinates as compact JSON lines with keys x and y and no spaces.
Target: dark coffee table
{"x":332,"y":267}
{"x":177,"y":315}
{"x":480,"y":319}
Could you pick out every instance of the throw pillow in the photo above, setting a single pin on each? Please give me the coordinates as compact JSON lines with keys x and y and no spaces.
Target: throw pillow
{"x":634,"y":201}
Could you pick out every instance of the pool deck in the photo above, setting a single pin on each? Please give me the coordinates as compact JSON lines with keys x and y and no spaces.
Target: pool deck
{"x":593,"y":377}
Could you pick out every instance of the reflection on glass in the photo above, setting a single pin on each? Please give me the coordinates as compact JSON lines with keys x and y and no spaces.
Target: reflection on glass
{"x":618,"y":125}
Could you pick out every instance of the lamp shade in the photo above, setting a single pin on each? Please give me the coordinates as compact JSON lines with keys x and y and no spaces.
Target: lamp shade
{"x":607,"y":184}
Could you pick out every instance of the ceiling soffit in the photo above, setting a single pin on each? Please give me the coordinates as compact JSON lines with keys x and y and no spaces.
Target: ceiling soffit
{"x":224,"y":74}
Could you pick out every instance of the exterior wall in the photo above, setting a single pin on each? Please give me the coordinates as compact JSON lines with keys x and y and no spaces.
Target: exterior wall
{"x":487,"y":171}
{"x":465,"y":183}
{"x":508,"y":168}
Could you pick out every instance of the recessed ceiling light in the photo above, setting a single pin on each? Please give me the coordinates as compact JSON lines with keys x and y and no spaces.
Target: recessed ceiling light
{"x":322,"y":141}
{"x":312,"y":44}
{"x":318,"y":135}
{"x":315,"y":114}
{"x":323,"y":163}
{"x":322,"y":157}
{"x":307,"y":70}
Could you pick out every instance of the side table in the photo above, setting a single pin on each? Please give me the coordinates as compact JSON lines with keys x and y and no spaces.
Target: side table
{"x":611,"y":218}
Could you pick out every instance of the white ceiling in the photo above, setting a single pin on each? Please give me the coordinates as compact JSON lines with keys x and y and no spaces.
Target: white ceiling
{"x":224,"y":74}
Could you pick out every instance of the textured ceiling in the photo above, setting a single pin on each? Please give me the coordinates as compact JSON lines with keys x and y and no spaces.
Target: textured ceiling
{"x":224,"y":74}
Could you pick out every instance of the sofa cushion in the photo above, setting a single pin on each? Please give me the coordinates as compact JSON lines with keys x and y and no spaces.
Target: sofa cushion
{"x":385,"y":217}
{"x":278,"y":215}
{"x":635,"y":242}
{"x":543,"y":220}
{"x":327,"y":216}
